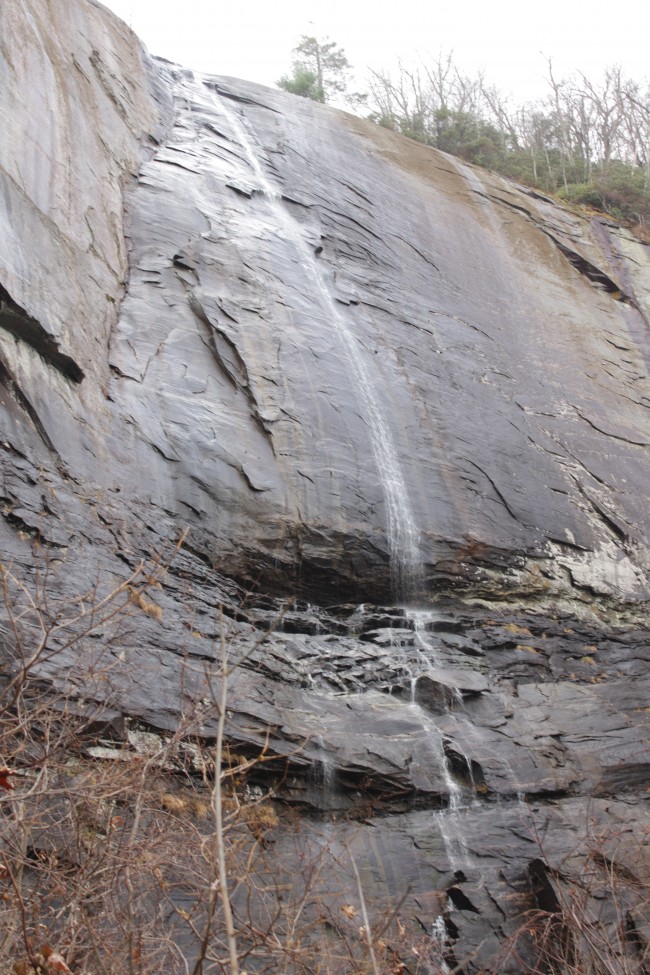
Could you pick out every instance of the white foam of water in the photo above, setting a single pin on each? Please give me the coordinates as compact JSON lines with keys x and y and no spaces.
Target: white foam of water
{"x":440,"y":939}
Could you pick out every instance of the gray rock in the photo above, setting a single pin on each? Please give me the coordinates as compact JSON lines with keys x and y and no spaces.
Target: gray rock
{"x":358,"y":371}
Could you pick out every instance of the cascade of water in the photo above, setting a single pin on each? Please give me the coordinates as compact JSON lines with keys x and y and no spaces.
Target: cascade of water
{"x":470,"y":731}
{"x":439,"y":932}
{"x":425,"y":651}
{"x":455,"y":791}
{"x":419,"y":619}
{"x":449,"y":820}
{"x":440,"y":938}
{"x":402,"y":532}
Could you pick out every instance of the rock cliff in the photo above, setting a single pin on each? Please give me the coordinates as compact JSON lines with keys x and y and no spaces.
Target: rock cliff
{"x":400,"y":406}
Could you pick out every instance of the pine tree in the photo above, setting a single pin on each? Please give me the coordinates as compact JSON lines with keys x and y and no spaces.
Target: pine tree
{"x":320,"y":70}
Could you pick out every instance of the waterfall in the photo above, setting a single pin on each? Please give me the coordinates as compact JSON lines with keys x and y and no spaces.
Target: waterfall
{"x":440,"y":939}
{"x":448,"y":820}
{"x":402,"y":533}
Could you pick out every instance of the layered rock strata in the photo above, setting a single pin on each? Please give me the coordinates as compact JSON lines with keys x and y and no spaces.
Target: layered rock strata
{"x":356,"y":371}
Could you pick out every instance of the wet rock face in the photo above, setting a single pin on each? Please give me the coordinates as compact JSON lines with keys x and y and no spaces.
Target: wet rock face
{"x":348,"y":362}
{"x":355,"y":369}
{"x":340,"y":316}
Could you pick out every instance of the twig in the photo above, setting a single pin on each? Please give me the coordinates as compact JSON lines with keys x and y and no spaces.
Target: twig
{"x":366,"y":922}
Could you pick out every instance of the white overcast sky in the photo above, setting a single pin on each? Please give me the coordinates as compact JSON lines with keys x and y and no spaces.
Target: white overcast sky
{"x":510,"y":41}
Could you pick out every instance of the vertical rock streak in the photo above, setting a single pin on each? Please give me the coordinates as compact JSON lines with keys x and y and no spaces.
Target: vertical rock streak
{"x":402,"y":532}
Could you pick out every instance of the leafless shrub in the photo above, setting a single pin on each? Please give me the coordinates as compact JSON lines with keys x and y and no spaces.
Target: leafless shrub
{"x":593,"y":911}
{"x":147,"y":853}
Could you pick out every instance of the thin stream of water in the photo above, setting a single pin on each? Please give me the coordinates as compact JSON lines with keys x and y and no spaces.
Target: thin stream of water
{"x":449,"y":820}
{"x":402,"y":532}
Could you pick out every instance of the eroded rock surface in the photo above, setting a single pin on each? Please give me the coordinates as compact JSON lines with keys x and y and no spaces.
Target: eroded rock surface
{"x":357,"y":371}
